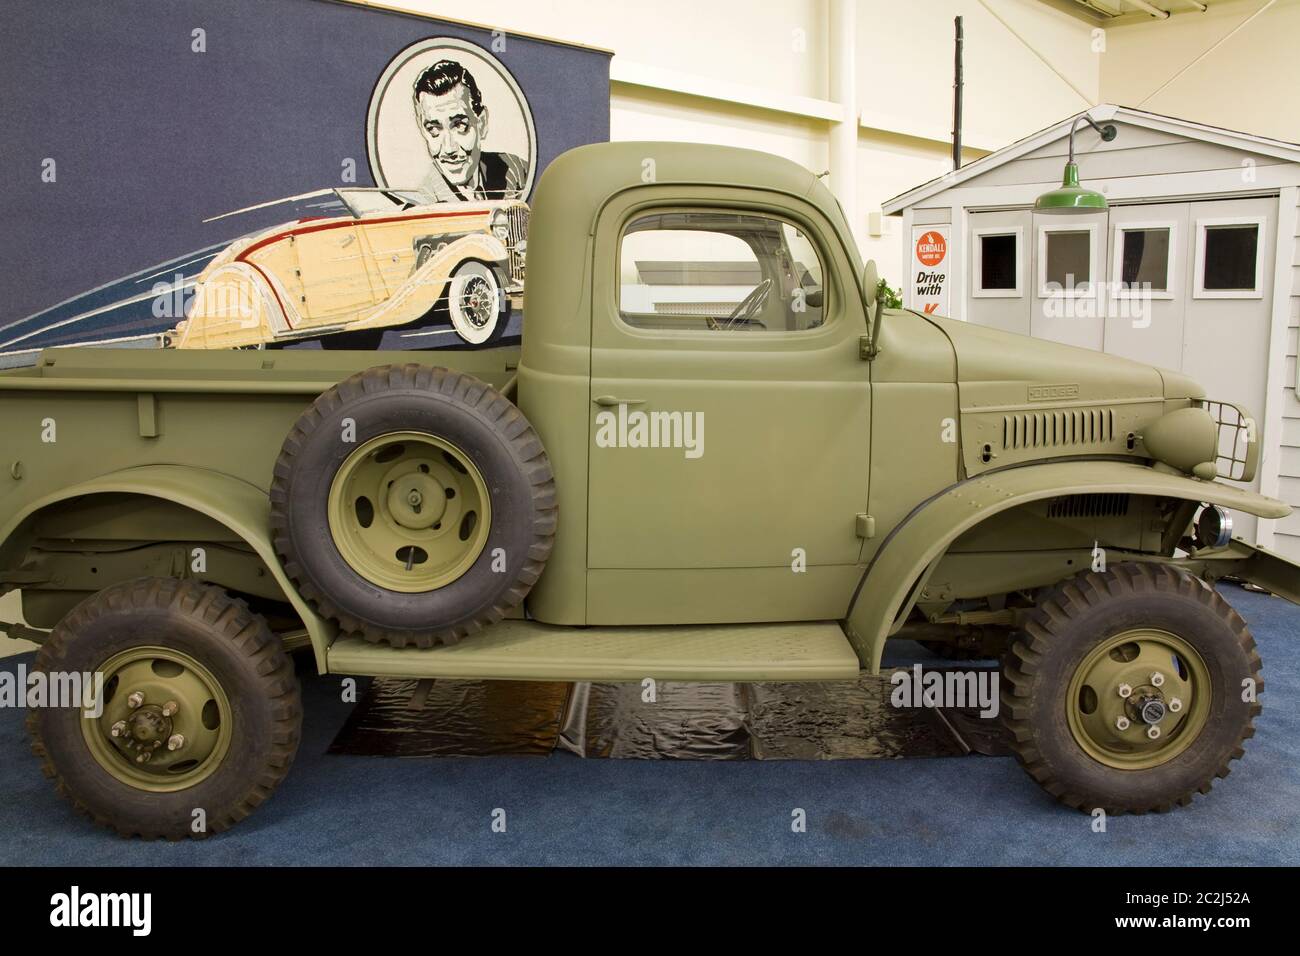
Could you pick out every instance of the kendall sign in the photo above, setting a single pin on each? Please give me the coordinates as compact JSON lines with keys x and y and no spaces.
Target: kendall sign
{"x":928,"y":275}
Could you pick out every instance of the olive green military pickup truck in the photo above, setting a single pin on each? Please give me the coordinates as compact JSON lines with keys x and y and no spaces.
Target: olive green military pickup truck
{"x":715,"y":456}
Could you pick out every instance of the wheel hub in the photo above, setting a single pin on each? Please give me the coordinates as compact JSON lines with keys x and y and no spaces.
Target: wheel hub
{"x":1138,"y":699}
{"x":1152,"y":710}
{"x":479,"y":302}
{"x":165,"y":721}
{"x":409,"y":511}
{"x":147,"y":727}
{"x":417,"y":500}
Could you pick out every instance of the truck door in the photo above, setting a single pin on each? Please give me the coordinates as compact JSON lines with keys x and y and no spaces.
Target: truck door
{"x":730,"y":413}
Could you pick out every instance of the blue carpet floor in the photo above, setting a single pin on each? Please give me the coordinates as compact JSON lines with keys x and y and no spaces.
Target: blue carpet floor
{"x":564,"y":810}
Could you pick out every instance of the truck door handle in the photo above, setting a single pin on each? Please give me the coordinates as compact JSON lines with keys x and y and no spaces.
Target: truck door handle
{"x":608,"y":400}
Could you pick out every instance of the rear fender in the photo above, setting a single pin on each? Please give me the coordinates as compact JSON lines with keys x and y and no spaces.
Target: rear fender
{"x":241,"y":507}
{"x":914,"y":547}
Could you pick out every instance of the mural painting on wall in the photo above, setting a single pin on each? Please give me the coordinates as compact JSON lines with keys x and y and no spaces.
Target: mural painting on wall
{"x":439,"y":244}
{"x":258,"y":222}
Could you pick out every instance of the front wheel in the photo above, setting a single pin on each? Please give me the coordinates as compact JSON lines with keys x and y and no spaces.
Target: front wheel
{"x":1131,"y":689}
{"x":478,"y":307}
{"x":197,"y":719}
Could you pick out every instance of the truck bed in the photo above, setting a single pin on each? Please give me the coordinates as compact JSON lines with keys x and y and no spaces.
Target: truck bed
{"x":281,"y":371}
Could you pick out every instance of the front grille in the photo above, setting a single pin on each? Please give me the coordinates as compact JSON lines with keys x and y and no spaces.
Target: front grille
{"x":518,"y":219}
{"x":1088,"y":506}
{"x":1054,"y":429}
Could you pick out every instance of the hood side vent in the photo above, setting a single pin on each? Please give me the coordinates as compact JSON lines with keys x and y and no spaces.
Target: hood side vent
{"x":1087,"y":426}
{"x":1088,"y":506}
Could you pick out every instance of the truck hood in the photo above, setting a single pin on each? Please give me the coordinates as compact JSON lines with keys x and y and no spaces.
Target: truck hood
{"x":1023,"y":398}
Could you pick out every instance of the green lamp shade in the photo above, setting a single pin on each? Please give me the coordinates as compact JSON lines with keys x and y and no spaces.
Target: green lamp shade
{"x":1071,"y":197}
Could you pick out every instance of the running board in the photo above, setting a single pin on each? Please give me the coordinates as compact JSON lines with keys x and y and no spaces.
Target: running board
{"x":526,"y":650}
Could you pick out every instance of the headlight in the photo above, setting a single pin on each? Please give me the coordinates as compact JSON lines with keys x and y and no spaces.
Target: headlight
{"x":1186,"y":439}
{"x":501,"y":225}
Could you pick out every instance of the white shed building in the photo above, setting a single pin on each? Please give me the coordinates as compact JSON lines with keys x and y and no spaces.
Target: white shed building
{"x":1194,"y":267}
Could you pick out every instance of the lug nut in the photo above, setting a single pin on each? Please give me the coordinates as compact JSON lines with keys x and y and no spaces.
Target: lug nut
{"x":1175,"y":704}
{"x":1157,"y":679}
{"x":135,"y":700}
{"x":1122,"y":723}
{"x":175,"y":742}
{"x":118,"y":729}
{"x":170,"y":708}
{"x":1153,"y":732}
{"x":144,"y":757}
{"x":1125,"y":691}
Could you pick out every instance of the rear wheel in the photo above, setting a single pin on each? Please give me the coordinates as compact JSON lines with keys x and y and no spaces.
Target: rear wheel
{"x":199,"y":716}
{"x":1131,"y":689}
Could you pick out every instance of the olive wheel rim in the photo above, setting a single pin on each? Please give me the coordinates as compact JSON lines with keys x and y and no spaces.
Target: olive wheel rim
{"x":1126,"y":681}
{"x":181,"y":719}
{"x":409,"y":512}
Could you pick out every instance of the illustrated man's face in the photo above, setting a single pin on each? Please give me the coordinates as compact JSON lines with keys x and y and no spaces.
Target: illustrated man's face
{"x":452,"y":133}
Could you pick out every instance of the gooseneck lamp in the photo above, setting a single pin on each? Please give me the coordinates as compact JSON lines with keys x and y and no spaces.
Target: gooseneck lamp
{"x":1071,"y":197}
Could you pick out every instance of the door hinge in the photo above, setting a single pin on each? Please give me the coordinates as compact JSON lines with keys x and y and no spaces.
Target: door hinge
{"x":865,"y":351}
{"x":865,"y":526}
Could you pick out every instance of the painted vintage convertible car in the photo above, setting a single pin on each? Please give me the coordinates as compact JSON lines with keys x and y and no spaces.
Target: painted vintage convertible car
{"x":389,"y":259}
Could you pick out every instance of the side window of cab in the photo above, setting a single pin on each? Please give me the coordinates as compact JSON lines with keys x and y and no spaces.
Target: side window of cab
{"x":715,"y":271}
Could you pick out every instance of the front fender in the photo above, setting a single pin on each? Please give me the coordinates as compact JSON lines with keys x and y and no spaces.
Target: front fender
{"x":425,"y":286}
{"x":915,"y":545}
{"x":243,"y":508}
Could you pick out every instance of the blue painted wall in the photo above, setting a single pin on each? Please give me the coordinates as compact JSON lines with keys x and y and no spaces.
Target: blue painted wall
{"x":150,"y":138}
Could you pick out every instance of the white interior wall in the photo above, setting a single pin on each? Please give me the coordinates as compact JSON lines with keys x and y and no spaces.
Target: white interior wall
{"x":755,"y":74}
{"x":1246,"y":83}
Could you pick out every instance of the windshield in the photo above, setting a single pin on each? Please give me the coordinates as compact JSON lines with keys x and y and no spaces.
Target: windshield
{"x":363,"y":202}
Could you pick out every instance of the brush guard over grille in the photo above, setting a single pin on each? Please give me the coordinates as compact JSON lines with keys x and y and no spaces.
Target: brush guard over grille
{"x":1238,"y":448}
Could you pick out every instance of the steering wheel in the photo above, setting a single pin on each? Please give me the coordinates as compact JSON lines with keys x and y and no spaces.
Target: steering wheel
{"x":750,"y":306}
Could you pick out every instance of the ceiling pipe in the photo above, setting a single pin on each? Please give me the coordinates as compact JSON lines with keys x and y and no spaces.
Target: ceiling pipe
{"x":1149,"y":8}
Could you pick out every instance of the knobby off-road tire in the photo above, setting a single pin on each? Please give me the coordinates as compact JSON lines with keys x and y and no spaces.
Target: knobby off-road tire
{"x":413,"y":505}
{"x":185,"y":647}
{"x":1096,"y":636}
